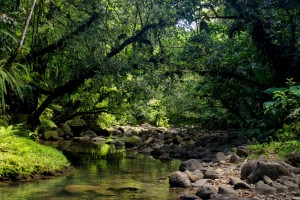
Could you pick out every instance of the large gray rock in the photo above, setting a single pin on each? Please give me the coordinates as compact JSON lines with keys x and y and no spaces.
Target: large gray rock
{"x":288,"y":182}
{"x":279,"y":187}
{"x":220,"y":156}
{"x":227,"y":190}
{"x":239,"y":184}
{"x":234,"y":158}
{"x":200,"y":182}
{"x":262,"y":188}
{"x":247,"y":169}
{"x":205,"y":191}
{"x":195,"y":175}
{"x":272,"y":170}
{"x":242,"y":152}
{"x":211,"y":175}
{"x":190,"y":165}
{"x":179,"y":179}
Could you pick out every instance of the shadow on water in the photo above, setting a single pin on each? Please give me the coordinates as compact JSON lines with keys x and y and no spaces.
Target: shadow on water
{"x":102,"y":172}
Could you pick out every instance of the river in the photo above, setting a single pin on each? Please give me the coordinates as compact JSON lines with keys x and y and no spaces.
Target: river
{"x":101,"y":172}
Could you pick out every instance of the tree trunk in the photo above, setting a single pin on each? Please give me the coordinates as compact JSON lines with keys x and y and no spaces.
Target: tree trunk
{"x":14,"y":55}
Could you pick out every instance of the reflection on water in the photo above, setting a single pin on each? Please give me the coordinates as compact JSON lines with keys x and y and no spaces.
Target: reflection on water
{"x":102,"y":172}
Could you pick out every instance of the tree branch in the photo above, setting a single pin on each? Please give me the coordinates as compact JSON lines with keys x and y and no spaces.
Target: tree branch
{"x":63,"y":40}
{"x":70,"y":86}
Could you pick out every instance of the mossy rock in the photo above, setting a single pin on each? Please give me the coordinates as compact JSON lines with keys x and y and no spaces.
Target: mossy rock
{"x":133,"y":141}
{"x":51,"y":135}
{"x":77,"y":126}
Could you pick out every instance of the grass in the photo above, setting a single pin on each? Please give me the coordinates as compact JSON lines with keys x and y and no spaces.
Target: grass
{"x":21,"y":157}
{"x":275,"y":150}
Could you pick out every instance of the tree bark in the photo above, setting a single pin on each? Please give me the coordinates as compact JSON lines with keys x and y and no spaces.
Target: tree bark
{"x":14,"y":55}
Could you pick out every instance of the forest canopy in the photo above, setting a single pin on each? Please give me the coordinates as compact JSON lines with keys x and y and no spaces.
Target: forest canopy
{"x":212,"y":63}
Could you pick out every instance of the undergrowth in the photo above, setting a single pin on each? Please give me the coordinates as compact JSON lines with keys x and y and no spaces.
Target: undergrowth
{"x":22,"y":157}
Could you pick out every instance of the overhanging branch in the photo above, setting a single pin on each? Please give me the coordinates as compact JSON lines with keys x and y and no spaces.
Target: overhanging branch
{"x":70,"y":86}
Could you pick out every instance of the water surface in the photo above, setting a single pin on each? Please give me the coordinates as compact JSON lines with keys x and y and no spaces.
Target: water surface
{"x":102,"y":172}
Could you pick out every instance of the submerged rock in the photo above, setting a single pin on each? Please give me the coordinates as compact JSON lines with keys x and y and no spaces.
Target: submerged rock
{"x":78,"y":189}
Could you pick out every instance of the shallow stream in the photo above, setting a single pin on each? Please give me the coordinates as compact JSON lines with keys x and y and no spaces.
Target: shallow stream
{"x":102,"y":172}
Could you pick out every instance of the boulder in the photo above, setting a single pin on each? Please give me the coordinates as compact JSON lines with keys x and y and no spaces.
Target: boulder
{"x":267,"y":179}
{"x":205,"y":191}
{"x":264,"y":189}
{"x":220,"y":156}
{"x":177,"y":140}
{"x":101,"y":132}
{"x":211,"y":175}
{"x":133,"y":141}
{"x":89,"y":133}
{"x":195,"y":175}
{"x":247,"y":169}
{"x":200,"y":182}
{"x":77,"y":125}
{"x":190,"y":165}
{"x":242,"y":152}
{"x":272,"y":170}
{"x":51,"y":135}
{"x":165,"y":156}
{"x":98,"y":140}
{"x":146,"y":150}
{"x":287,"y":182}
{"x":66,"y":129}
{"x":279,"y":187}
{"x":227,"y":190}
{"x":238,"y":183}
{"x":179,"y":179}
{"x":234,"y":158}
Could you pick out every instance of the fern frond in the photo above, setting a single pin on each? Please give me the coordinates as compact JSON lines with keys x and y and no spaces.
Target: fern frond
{"x":13,"y":79}
{"x":295,"y":114}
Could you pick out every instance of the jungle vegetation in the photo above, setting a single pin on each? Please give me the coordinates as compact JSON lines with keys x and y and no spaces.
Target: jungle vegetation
{"x":211,"y":63}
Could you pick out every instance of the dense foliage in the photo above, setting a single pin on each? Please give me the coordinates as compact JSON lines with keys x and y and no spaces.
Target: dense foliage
{"x":174,"y":62}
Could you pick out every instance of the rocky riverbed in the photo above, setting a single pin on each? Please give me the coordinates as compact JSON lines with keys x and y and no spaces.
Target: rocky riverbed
{"x":215,"y":165}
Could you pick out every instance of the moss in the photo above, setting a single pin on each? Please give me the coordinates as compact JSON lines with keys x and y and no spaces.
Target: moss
{"x":21,"y":157}
{"x":133,"y":141}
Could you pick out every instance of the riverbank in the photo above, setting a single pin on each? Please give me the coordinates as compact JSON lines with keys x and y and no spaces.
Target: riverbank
{"x":22,"y":159}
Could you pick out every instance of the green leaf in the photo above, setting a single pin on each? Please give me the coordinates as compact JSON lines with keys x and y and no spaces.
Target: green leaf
{"x":268,"y":104}
{"x":272,"y":90}
{"x":295,"y":89}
